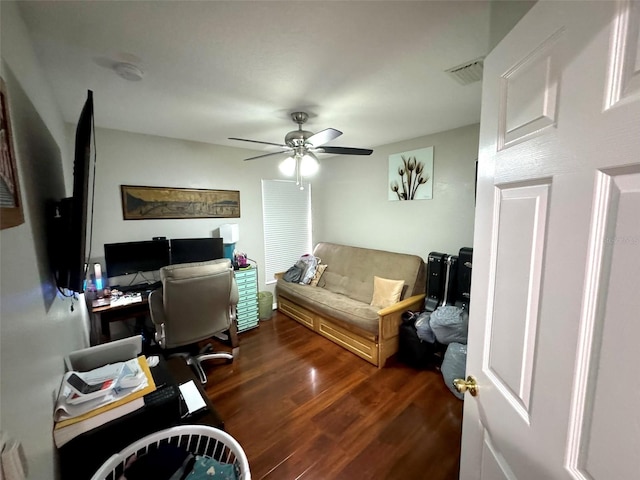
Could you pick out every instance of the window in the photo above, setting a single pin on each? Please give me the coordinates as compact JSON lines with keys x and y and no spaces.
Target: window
{"x":286,"y":215}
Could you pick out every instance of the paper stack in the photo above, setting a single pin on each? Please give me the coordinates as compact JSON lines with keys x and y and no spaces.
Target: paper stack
{"x":72,"y":418}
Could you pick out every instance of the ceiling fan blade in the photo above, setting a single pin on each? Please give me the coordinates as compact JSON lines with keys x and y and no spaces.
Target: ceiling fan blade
{"x":258,"y":141}
{"x":268,"y":155}
{"x":346,"y":150}
{"x":324,"y":136}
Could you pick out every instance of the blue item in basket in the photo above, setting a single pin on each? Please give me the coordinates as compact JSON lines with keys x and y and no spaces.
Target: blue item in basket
{"x":209,"y":469}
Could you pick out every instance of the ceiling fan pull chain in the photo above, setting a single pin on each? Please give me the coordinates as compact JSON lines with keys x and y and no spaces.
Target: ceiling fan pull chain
{"x":298,"y":176}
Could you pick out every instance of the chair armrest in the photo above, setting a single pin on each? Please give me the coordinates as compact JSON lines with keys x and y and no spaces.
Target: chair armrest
{"x":402,"y":305}
{"x":234,"y":295}
{"x":391,"y":317}
{"x":156,"y":312}
{"x":156,"y":308}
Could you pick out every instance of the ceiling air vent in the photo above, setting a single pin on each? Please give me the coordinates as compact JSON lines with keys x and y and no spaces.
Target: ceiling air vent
{"x":468,"y":72}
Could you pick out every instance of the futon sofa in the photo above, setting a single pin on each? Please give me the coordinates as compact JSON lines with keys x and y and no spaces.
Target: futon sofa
{"x":339,"y":306}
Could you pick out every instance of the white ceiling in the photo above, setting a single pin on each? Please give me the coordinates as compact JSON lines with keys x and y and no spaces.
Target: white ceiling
{"x":218,"y":69}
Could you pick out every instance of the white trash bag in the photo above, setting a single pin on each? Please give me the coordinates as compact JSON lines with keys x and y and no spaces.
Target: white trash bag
{"x":454,"y":366}
{"x":450,"y":324}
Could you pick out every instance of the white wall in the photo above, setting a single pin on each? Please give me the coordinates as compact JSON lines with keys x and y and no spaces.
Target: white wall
{"x":37,"y":328}
{"x":350,"y":198}
{"x":133,"y":159}
{"x":349,"y":195}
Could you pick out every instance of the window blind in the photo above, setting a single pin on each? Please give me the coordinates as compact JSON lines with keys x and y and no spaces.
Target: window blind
{"x":286,"y":215}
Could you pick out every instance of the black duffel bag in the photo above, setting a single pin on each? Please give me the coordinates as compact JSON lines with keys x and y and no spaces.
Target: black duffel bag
{"x":412,"y":350}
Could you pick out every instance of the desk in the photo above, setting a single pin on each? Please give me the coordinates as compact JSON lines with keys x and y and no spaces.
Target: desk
{"x":102,"y":313}
{"x":83,"y":455}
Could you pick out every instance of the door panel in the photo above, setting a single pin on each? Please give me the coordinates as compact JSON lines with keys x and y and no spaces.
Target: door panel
{"x":494,"y":465}
{"x":521,"y":220}
{"x":624,"y":80}
{"x":601,"y":426}
{"x":529,"y":94}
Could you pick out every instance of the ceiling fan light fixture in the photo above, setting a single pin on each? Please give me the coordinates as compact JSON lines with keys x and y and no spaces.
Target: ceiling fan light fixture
{"x":309,"y":165}
{"x":288,"y":166}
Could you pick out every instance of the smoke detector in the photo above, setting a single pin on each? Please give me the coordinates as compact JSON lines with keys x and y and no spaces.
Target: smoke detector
{"x":468,"y":72}
{"x":129,"y":71}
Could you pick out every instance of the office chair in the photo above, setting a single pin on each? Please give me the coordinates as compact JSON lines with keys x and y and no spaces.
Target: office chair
{"x":196,"y":301}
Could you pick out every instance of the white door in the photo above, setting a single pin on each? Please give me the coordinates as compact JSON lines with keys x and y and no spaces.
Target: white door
{"x":554,"y":330}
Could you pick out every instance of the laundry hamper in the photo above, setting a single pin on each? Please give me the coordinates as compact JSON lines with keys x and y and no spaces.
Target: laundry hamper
{"x":197,"y":439}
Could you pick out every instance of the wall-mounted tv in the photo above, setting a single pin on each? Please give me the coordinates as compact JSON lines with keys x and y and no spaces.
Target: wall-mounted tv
{"x":135,"y":257}
{"x":186,"y":250}
{"x":69,"y":217}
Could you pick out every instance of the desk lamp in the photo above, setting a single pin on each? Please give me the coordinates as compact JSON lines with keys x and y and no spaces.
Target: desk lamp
{"x":230,"y":233}
{"x":98,"y":275}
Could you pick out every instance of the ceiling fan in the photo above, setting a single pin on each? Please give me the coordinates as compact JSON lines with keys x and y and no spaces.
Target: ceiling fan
{"x":300,"y":143}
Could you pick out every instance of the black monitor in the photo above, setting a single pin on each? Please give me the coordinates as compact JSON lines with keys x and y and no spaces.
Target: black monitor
{"x":186,"y":250}
{"x":133,"y":257}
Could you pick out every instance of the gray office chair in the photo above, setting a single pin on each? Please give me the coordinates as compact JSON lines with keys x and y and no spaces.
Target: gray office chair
{"x":196,"y":301}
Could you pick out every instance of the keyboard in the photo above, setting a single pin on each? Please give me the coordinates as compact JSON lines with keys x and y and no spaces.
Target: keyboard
{"x":139,"y":287}
{"x":161,"y":396}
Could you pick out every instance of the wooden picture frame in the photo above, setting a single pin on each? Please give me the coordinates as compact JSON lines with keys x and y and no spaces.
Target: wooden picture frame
{"x":11,"y":213}
{"x":146,"y":203}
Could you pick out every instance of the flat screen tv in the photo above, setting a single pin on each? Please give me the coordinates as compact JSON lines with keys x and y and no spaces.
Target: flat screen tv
{"x":69,"y":252}
{"x":135,"y":257}
{"x":186,"y":250}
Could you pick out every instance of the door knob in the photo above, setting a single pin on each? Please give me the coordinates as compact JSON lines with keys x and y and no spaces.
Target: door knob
{"x":469,"y":385}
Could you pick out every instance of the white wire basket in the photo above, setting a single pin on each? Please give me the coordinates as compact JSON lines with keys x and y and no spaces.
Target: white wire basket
{"x":197,"y":439}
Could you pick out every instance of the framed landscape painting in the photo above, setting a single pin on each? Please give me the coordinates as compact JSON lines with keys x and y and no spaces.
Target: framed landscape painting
{"x":11,"y":213}
{"x":411,"y":175}
{"x":144,"y":203}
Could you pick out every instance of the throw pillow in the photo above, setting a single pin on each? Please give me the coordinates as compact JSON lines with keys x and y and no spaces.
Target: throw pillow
{"x":386,"y":292}
{"x":316,"y":278}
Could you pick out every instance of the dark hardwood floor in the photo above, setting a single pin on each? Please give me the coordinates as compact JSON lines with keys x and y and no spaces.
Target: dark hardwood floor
{"x":304,"y":408}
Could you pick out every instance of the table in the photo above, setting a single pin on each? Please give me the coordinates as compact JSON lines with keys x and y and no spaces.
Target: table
{"x":83,"y":455}
{"x":102,"y":313}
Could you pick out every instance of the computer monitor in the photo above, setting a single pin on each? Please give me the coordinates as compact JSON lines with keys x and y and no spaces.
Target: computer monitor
{"x":186,"y":250}
{"x":133,"y":257}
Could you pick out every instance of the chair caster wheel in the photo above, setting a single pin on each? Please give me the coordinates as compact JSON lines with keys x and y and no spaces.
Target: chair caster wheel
{"x":229,"y":361}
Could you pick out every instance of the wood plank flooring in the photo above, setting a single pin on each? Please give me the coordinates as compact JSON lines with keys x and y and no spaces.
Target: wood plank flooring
{"x":304,"y":408}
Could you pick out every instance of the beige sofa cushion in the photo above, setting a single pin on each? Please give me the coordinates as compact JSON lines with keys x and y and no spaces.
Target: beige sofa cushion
{"x":350,"y":270}
{"x":347,"y":311}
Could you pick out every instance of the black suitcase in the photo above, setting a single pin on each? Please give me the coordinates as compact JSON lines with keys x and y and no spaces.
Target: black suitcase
{"x":465,"y":258}
{"x":435,"y":280}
